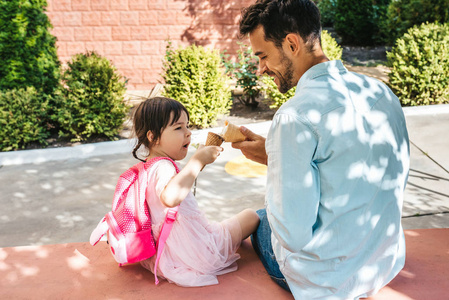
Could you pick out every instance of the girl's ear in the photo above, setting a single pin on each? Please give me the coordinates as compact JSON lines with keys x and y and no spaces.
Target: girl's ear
{"x":150,"y":136}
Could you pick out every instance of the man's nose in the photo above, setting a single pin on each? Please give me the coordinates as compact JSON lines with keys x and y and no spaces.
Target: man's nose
{"x":261,"y":70}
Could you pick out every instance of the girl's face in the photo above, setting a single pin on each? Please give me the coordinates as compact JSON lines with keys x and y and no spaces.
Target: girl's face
{"x":174,"y":140}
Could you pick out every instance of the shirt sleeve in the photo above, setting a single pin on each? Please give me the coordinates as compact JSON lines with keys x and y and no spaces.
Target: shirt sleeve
{"x":163,"y":173}
{"x":293,"y":190}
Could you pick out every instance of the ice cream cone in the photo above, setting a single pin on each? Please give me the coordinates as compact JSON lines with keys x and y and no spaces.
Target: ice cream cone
{"x":231,"y":133}
{"x":213,"y":139}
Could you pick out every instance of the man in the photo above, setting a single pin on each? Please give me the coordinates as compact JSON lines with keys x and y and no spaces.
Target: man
{"x":338,"y":159}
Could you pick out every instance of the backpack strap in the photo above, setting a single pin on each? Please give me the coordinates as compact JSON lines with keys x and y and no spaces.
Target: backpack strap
{"x":170,"y":219}
{"x":165,"y":231}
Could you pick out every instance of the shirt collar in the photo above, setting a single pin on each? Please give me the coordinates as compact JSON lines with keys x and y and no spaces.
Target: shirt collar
{"x":333,"y":66}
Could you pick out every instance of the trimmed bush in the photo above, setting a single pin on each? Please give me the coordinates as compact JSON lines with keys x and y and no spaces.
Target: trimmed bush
{"x":93,"y":99}
{"x":404,"y":14}
{"x":332,"y":50}
{"x":23,"y":115}
{"x":195,"y":76}
{"x":419,"y":64}
{"x":354,"y":22}
{"x":327,"y":10}
{"x":27,"y":48}
{"x":359,"y":23}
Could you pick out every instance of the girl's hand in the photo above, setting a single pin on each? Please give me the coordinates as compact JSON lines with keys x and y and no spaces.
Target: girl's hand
{"x":207,"y":154}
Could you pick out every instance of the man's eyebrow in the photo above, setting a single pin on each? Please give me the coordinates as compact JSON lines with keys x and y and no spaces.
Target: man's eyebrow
{"x":258,"y":53}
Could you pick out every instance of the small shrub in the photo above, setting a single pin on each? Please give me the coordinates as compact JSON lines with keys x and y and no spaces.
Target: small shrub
{"x":419,"y":64}
{"x":23,"y":118}
{"x":404,"y":14}
{"x":93,"y":104}
{"x":332,"y":50}
{"x":195,"y":76}
{"x":244,"y":70}
{"x":27,"y":48}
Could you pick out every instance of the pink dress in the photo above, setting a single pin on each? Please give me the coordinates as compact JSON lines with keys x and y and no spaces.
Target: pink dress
{"x":196,"y":250}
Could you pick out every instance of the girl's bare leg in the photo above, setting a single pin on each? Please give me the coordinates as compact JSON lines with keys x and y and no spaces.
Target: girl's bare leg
{"x":249,"y":220}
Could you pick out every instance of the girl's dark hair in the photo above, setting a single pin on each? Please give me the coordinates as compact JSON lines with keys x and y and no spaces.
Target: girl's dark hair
{"x":281,"y":17}
{"x":154,"y":115}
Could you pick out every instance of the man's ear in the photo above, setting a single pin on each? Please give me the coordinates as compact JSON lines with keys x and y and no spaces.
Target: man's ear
{"x":292,"y":43}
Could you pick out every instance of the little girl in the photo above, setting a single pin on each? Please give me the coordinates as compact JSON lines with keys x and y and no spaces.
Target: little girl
{"x":196,"y":250}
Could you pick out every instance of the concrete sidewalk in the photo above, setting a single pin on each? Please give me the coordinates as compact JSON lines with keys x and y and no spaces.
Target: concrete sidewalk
{"x":55,"y":196}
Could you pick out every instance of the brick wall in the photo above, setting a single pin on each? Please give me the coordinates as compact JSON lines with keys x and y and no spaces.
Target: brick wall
{"x":133,"y":33}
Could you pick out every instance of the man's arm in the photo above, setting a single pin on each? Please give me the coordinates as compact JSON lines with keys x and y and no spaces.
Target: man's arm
{"x":293,"y":186}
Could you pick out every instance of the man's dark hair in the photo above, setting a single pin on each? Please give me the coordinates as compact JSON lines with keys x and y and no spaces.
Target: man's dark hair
{"x":281,"y":17}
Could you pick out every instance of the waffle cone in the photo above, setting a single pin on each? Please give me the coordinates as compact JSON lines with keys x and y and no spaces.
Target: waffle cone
{"x":213,"y":139}
{"x":231,"y":133}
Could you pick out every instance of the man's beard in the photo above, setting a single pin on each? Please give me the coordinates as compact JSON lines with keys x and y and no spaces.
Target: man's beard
{"x":286,"y":79}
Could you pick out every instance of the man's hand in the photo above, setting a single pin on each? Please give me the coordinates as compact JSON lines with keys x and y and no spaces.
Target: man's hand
{"x":253,"y":147}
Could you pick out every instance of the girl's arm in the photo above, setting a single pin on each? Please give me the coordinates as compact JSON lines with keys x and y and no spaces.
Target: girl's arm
{"x":181,"y":184}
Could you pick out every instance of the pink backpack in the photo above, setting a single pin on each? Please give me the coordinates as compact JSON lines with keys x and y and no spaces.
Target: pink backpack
{"x":129,"y":223}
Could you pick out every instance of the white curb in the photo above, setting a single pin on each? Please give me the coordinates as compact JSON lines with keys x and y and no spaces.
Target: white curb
{"x":37,"y":156}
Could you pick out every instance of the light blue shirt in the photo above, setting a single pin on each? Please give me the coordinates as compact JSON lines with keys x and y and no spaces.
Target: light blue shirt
{"x":338,"y":161}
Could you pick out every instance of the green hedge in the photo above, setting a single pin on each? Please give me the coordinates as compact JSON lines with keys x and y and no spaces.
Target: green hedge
{"x":92,"y":102}
{"x":419,"y":64}
{"x":27,"y":49}
{"x":195,"y":76}
{"x":23,"y":118}
{"x":404,"y":14}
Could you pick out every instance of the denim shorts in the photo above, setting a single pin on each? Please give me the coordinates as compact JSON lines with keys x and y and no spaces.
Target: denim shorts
{"x":261,"y":240}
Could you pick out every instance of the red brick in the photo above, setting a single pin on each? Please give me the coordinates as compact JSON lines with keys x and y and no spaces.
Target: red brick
{"x":56,"y":18}
{"x":80,"y":5}
{"x":156,"y":64}
{"x":119,"y":5}
{"x":122,"y":61}
{"x":166,"y":17}
{"x":131,"y":48}
{"x":134,"y":76}
{"x":157,"y":4}
{"x":121,"y":33}
{"x":50,"y":5}
{"x":98,"y":47}
{"x":61,"y":5}
{"x":99,"y":5}
{"x":176,"y":5}
{"x":113,"y":48}
{"x":148,"y":17}
{"x":230,"y":31}
{"x":91,"y":18}
{"x":140,"y":33}
{"x":75,"y":48}
{"x":138,"y":4}
{"x":110,"y":18}
{"x":64,"y":34}
{"x":142,"y":86}
{"x":158,"y":33}
{"x":102,"y":33}
{"x":152,"y":47}
{"x":61,"y":48}
{"x":176,"y":32}
{"x":83,"y":34}
{"x":151,"y":76}
{"x":184,"y":18}
{"x":142,"y":61}
{"x":129,"y":18}
{"x":72,"y":19}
